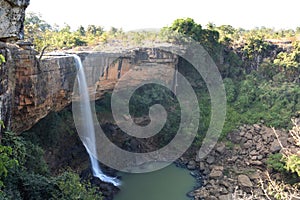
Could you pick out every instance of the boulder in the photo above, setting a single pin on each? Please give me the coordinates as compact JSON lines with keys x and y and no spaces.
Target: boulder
{"x":221,"y":148}
{"x":244,"y":181}
{"x":191,"y":165}
{"x":210,"y":160}
{"x":275,"y":147}
{"x":216,"y":172}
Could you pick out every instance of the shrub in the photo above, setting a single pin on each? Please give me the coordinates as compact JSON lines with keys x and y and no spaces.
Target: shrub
{"x":276,"y":162}
{"x":293,"y":164}
{"x":70,"y":187}
{"x":2,"y":59}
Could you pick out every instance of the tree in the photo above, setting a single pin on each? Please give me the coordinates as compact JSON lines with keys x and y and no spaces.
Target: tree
{"x":298,"y":30}
{"x":187,"y":27}
{"x":81,"y":31}
{"x":35,"y":20}
{"x":95,"y":30}
{"x":254,"y":51}
{"x":208,"y":38}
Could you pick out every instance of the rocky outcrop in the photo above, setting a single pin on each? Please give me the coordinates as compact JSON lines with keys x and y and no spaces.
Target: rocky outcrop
{"x":30,"y":88}
{"x":5,"y":86}
{"x":39,"y":87}
{"x":12,"y":15}
{"x":237,"y":168}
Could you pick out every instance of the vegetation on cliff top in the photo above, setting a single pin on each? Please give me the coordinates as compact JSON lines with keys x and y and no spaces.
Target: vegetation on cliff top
{"x":260,"y":67}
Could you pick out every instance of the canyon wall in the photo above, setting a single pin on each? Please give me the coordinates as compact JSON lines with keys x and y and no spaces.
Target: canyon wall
{"x":32,"y":88}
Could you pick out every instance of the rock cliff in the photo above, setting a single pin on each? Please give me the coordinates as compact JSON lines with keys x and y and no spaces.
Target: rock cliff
{"x":31,"y":88}
{"x":12,"y":15}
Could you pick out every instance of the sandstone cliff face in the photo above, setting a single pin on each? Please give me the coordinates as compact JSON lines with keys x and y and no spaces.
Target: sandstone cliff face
{"x":12,"y":15}
{"x":5,"y":87}
{"x":40,"y":88}
{"x":30,"y":89}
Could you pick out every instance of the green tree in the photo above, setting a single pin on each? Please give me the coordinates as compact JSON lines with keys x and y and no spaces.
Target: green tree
{"x":95,"y":30}
{"x":254,"y":51}
{"x":187,"y":27}
{"x":298,"y":30}
{"x":6,"y":163}
{"x":35,"y":21}
{"x":71,"y":187}
{"x":81,"y":31}
{"x":208,"y":38}
{"x":34,"y":28}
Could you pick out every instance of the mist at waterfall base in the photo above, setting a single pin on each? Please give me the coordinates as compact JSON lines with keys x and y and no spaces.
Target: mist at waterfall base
{"x":88,"y":125}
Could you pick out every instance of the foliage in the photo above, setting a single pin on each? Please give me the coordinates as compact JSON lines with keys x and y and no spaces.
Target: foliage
{"x":147,"y":96}
{"x":187,"y":27}
{"x":6,"y":162}
{"x":17,"y":143}
{"x":279,"y":189}
{"x":257,"y":99}
{"x":35,"y":186}
{"x":70,"y":187}
{"x":276,"y":162}
{"x":254,"y":51}
{"x":35,"y":160}
{"x":292,"y":159}
{"x":2,"y":59}
{"x":232,"y":65}
{"x":2,"y":124}
{"x":34,"y":22}
{"x":24,"y":174}
{"x":293,"y":164}
{"x":288,"y":164}
{"x":230,"y":88}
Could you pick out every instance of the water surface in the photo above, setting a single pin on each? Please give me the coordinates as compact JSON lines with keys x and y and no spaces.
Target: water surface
{"x":170,"y":183}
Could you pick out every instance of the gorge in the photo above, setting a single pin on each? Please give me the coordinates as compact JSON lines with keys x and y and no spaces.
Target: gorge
{"x":41,"y":153}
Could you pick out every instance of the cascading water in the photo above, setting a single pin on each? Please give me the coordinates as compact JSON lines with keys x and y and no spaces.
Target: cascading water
{"x":88,"y":125}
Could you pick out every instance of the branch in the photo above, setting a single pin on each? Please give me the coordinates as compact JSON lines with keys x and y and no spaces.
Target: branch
{"x":43,"y":51}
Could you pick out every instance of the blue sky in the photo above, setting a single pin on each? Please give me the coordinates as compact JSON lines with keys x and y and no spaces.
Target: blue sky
{"x":134,"y":14}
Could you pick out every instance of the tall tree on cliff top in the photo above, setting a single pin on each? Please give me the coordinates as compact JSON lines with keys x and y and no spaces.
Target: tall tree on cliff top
{"x":207,"y":37}
{"x":188,"y":27}
{"x":34,"y":24}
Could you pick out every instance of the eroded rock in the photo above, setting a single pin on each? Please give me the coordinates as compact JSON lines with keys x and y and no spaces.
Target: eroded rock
{"x":12,"y":16}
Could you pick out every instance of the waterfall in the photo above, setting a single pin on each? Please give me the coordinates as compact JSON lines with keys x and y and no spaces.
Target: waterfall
{"x":88,"y":125}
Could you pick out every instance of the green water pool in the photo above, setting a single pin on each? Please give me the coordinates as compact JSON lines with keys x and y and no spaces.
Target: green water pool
{"x":170,"y":183}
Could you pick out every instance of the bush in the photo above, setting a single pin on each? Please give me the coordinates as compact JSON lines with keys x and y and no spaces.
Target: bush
{"x":276,"y":162}
{"x":24,"y":174}
{"x":2,"y":59}
{"x":71,"y":188}
{"x":230,"y":88}
{"x":6,"y":163}
{"x":293,"y":164}
{"x":34,"y":186}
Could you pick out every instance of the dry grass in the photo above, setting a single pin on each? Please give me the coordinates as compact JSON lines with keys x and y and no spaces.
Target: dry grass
{"x":277,"y":189}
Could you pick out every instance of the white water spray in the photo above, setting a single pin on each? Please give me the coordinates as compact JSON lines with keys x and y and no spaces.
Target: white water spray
{"x":88,"y":125}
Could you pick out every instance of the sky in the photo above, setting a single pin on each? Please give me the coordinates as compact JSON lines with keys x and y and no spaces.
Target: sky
{"x":134,"y":14}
